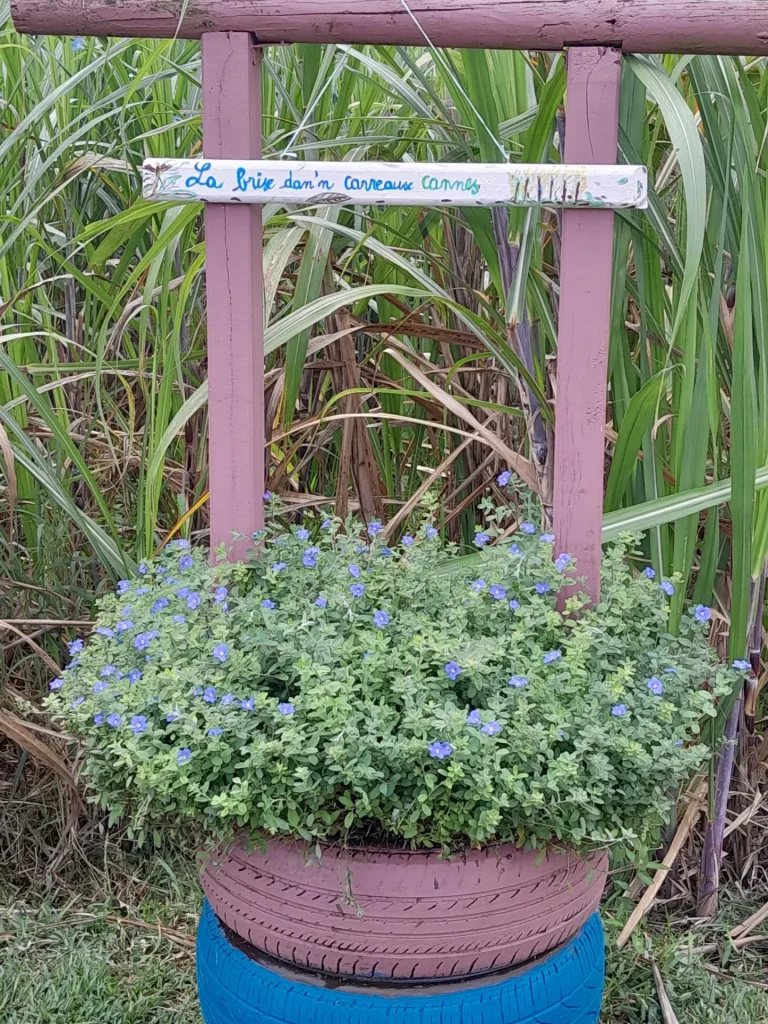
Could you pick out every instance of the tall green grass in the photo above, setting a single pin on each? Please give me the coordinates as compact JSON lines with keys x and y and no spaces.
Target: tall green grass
{"x":102,"y":300}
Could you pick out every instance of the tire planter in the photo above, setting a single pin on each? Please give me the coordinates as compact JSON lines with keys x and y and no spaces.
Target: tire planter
{"x":565,"y":988}
{"x":372,"y":914}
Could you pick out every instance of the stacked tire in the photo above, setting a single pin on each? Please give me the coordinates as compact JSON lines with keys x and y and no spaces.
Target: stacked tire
{"x":358,"y":936}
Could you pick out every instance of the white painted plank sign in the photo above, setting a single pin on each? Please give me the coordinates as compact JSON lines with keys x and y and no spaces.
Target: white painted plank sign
{"x":395,"y":184}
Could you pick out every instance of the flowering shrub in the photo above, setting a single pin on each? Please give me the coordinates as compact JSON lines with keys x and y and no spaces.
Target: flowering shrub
{"x":342,"y":690}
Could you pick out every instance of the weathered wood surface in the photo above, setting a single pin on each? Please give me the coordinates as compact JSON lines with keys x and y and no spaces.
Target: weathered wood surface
{"x":395,"y":184}
{"x":235,"y":296}
{"x":591,"y":133}
{"x":636,"y":26}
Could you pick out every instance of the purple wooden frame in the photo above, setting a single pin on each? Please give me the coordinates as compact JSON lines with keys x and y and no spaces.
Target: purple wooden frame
{"x":595,"y":32}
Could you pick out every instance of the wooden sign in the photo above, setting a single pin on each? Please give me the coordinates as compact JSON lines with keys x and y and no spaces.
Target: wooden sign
{"x":402,"y":184}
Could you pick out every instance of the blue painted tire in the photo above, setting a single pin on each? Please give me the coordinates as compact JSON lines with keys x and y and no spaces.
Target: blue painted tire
{"x":566,"y":988}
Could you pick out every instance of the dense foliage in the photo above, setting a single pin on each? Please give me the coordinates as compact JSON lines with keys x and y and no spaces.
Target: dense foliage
{"x":340,"y":689}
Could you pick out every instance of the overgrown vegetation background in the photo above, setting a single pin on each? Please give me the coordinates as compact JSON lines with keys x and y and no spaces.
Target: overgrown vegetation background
{"x":409,"y":351}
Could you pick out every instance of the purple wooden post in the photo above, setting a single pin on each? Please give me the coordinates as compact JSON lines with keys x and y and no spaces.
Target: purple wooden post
{"x":591,"y":135}
{"x":235,"y":295}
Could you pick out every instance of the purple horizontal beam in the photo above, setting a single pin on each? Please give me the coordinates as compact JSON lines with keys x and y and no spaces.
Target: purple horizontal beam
{"x":639,"y":26}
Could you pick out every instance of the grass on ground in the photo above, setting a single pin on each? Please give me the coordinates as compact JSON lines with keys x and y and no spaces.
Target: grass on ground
{"x":70,"y":958}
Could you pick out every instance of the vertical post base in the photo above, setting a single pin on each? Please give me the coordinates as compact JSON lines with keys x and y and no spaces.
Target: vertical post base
{"x":235,"y":296}
{"x":591,"y":136}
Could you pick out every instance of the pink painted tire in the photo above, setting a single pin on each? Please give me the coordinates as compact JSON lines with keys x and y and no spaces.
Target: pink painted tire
{"x":402,"y":915}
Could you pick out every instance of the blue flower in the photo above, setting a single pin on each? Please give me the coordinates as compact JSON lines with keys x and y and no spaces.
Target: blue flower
{"x":268,"y":604}
{"x":197,"y":692}
{"x":386,"y":552}
{"x":619,"y":710}
{"x":180,"y":543}
{"x":678,"y":743}
{"x":527,"y":528}
{"x":209,"y":695}
{"x":741,"y":666}
{"x":172,"y":581}
{"x":104,"y":631}
{"x":143,"y":569}
{"x":514,"y":549}
{"x":359,"y":548}
{"x":542,"y":588}
{"x":220,"y":594}
{"x":671,"y":671}
{"x":481,"y":539}
{"x":702,"y":613}
{"x":268,"y":495}
{"x":247,"y":704}
{"x":183,"y":755}
{"x":160,"y":603}
{"x":367,"y":655}
{"x":649,"y":573}
{"x":474,"y":718}
{"x":374,"y":527}
{"x":321,"y":601}
{"x":123,"y":586}
{"x":491,"y":728}
{"x":302,"y":534}
{"x":77,"y":702}
{"x":453,"y":670}
{"x":186,"y":562}
{"x":357,"y":590}
{"x":431,"y":534}
{"x":161,"y":570}
{"x":215,"y":731}
{"x":134,"y":675}
{"x":562,"y":562}
{"x":220,"y":652}
{"x":286,"y":709}
{"x":98,"y":718}
{"x":141,"y":591}
{"x":407,"y":541}
{"x":56,"y":684}
{"x":309,"y":558}
{"x":278,"y":566}
{"x":354,"y":570}
{"x":326,"y":524}
{"x":123,"y":625}
{"x":141,"y":643}
{"x":101,"y":686}
{"x":547,"y":538}
{"x":440,"y":750}
{"x":228,"y":698}
{"x":514,"y":605}
{"x":172,"y":716}
{"x":517,"y":681}
{"x":179,"y":618}
{"x":551,"y":656}
{"x":656,"y":686}
{"x":478,"y":585}
{"x":182,"y":592}
{"x":108,"y":670}
{"x":380,"y":619}
{"x":667,"y":587}
{"x":138,"y":724}
{"x":76,"y":646}
{"x":193,"y":601}
{"x":115,"y":721}
{"x":503,"y":478}
{"x":497,"y":593}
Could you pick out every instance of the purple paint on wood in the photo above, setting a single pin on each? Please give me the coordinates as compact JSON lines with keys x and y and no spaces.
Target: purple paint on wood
{"x":235,"y":295}
{"x":592,"y":119}
{"x":637,"y":26}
